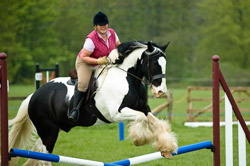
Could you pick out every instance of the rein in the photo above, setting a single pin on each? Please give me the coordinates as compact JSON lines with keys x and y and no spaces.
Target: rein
{"x":145,"y":82}
{"x":151,"y":78}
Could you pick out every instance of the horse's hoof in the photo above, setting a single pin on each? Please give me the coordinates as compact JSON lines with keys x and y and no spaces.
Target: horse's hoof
{"x":167,"y":155}
{"x":139,"y":142}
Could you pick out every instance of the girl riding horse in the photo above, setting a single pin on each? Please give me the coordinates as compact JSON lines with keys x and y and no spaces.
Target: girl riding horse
{"x":120,"y":96}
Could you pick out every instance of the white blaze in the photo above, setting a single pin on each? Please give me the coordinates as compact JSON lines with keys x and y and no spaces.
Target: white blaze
{"x":163,"y":87}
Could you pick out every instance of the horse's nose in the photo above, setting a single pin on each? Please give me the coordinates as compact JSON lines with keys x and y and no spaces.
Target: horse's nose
{"x":160,"y":93}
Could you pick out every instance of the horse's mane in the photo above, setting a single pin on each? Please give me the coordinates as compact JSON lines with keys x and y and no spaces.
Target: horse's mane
{"x":124,"y":49}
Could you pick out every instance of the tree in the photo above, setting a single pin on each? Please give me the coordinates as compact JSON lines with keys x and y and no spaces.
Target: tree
{"x":225,"y":30}
{"x":54,"y":31}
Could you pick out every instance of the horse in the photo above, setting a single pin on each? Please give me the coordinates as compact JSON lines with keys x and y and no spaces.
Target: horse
{"x":119,"y":95}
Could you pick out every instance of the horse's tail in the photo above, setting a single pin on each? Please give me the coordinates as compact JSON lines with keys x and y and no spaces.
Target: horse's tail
{"x":20,"y":135}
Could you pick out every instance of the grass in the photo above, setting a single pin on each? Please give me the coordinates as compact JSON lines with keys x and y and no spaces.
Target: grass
{"x":101,"y":143}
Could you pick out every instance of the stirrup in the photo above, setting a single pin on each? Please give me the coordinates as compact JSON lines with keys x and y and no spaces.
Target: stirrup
{"x":74,"y":115}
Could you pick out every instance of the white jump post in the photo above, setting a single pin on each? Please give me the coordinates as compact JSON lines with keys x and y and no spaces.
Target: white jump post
{"x":229,"y":137}
{"x":241,"y":145}
{"x":228,"y":132}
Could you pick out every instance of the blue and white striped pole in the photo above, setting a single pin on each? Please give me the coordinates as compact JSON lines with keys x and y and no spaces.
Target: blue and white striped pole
{"x":126,"y":162}
{"x":56,"y":158}
{"x":157,"y":155}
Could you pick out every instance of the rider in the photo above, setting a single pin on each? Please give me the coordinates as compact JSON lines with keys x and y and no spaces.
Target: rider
{"x":98,"y":44}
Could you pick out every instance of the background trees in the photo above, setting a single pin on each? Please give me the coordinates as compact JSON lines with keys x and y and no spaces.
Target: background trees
{"x":54,"y":31}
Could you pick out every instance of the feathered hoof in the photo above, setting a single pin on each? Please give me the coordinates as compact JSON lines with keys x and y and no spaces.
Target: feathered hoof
{"x":167,"y":155}
{"x":140,"y":133}
{"x":166,"y":143}
{"x":142,"y":141}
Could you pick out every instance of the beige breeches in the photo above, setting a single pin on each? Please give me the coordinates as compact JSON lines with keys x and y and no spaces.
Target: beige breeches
{"x":84,"y":72}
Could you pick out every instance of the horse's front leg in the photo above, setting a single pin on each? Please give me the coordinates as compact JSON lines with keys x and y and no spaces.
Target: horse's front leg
{"x":138,"y":125}
{"x":165,"y":140}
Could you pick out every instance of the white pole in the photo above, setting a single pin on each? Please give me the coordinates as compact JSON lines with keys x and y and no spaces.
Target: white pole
{"x":47,"y":76}
{"x":228,"y":132}
{"x":241,"y":145}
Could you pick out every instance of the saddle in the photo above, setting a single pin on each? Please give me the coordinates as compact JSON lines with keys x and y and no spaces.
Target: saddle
{"x":89,"y":103}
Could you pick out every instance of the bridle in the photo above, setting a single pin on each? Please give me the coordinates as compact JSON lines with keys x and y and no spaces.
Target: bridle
{"x":145,"y":61}
{"x":151,"y":55}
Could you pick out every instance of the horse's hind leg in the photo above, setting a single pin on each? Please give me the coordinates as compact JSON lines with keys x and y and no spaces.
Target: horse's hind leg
{"x":45,"y":144}
{"x":50,"y":140}
{"x":165,"y":140}
{"x":38,"y":147}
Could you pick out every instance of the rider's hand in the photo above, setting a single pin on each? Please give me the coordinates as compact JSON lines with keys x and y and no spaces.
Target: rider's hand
{"x":114,"y":56}
{"x":102,"y":60}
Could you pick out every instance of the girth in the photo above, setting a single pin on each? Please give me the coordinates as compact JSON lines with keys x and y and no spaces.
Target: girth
{"x":90,"y":105}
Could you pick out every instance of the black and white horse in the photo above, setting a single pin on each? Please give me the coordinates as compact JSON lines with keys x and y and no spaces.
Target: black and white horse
{"x":120,"y":96}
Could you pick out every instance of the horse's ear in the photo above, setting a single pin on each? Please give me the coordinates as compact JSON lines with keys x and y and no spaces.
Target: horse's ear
{"x":150,"y":47}
{"x":163,"y":48}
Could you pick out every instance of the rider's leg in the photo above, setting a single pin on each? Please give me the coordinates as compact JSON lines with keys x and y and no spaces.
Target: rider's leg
{"x":78,"y":95}
{"x":84,"y":72}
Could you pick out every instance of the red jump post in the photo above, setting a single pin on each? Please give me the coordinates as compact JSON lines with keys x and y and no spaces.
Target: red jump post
{"x":4,"y":109}
{"x":216,"y":110}
{"x":217,"y":80}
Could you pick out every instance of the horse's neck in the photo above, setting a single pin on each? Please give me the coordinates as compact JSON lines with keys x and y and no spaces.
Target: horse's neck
{"x":131,"y":60}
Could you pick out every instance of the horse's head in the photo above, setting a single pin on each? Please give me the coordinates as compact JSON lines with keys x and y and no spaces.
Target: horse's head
{"x":154,"y":66}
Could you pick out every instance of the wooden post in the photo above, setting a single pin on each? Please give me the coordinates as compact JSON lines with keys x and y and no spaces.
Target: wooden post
{"x":216,"y":110}
{"x":170,"y":105}
{"x":189,"y":105}
{"x":4,"y":109}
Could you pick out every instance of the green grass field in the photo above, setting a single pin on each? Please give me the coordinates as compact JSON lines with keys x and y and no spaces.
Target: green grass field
{"x":101,"y":143}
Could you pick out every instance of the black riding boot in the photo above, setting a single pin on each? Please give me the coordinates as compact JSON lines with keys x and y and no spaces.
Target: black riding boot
{"x":74,"y":113}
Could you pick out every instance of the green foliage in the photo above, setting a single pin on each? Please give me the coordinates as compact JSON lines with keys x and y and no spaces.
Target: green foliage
{"x":54,"y":31}
{"x":225,"y":30}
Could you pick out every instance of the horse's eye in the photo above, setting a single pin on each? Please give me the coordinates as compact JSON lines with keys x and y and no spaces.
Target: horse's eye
{"x":156,"y":82}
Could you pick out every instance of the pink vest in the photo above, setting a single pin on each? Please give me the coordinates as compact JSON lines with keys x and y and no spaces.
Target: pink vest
{"x":101,"y":49}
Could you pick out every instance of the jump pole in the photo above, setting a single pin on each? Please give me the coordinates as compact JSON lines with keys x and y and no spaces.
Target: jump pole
{"x":4,"y":109}
{"x":157,"y":155}
{"x":126,"y":162}
{"x":56,"y":158}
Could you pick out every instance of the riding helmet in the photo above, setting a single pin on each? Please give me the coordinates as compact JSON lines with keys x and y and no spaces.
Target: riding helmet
{"x":100,"y":19}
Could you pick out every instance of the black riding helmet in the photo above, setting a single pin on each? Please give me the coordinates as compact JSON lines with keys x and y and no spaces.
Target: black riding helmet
{"x":100,"y":19}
